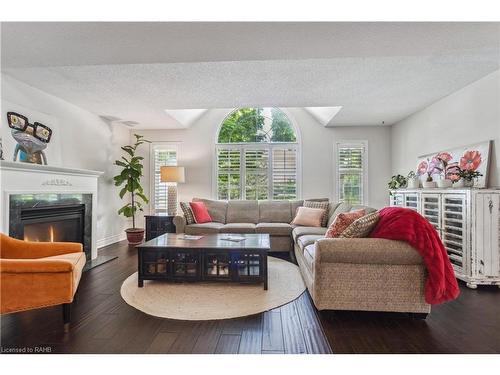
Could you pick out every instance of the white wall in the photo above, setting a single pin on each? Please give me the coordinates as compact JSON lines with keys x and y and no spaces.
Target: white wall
{"x":80,"y":140}
{"x":197,"y":151}
{"x":470,"y":115}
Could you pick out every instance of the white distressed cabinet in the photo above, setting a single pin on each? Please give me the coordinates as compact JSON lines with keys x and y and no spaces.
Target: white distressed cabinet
{"x":468,"y":222}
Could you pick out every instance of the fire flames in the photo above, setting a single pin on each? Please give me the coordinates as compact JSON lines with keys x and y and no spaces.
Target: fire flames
{"x":37,"y":239}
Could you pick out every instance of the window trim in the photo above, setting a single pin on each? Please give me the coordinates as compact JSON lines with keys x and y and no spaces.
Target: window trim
{"x":336,"y":172}
{"x":152,"y":147}
{"x":297,"y":145}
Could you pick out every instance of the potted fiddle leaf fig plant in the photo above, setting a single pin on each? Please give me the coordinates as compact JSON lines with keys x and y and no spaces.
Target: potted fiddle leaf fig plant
{"x":130,"y":180}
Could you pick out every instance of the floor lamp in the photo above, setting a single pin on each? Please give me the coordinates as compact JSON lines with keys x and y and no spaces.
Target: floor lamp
{"x":172,"y":175}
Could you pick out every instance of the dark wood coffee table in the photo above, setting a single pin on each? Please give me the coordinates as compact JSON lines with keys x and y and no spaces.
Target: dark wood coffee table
{"x":210,"y":258}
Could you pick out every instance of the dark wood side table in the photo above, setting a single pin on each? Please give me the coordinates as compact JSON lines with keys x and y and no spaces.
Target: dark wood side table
{"x":156,"y":225}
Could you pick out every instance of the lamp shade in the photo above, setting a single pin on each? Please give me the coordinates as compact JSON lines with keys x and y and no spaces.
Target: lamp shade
{"x":171,"y":174}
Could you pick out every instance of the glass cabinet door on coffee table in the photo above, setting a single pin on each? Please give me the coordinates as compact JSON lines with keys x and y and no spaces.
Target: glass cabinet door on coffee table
{"x":155,"y":263}
{"x":216,"y":266}
{"x":247,"y":266}
{"x":185,"y":264}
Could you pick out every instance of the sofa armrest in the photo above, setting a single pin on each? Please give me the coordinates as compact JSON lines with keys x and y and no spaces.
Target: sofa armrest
{"x":35,"y":266}
{"x":17,"y":249}
{"x":180,"y":223}
{"x":365,"y":251}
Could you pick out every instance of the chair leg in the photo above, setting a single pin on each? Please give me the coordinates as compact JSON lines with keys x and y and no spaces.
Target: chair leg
{"x":66,"y":315}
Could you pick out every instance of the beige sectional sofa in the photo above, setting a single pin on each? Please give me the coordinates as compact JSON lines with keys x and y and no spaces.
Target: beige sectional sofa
{"x":340,"y":273}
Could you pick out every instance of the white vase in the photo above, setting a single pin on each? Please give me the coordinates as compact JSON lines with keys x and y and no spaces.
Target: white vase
{"x":429,"y":184}
{"x":469,"y":183}
{"x":444,"y":183}
{"x":413,"y":183}
{"x":459,"y":184}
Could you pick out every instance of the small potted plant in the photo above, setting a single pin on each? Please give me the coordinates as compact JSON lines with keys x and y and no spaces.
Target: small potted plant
{"x":130,"y":179}
{"x":433,"y":167}
{"x":413,"y":182}
{"x":397,"y":182}
{"x":444,"y":158}
{"x":468,"y":176}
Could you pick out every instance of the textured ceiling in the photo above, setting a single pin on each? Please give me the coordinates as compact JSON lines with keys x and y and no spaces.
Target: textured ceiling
{"x":377,"y":72}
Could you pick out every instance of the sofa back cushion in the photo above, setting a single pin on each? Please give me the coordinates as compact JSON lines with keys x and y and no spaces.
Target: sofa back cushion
{"x":275,"y":212}
{"x":216,"y":209}
{"x":242,"y":212}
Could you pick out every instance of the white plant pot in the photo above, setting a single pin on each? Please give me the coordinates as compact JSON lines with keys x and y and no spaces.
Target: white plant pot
{"x":469,"y":183}
{"x":429,"y":184}
{"x":413,"y":183}
{"x":459,"y":184}
{"x":444,"y":183}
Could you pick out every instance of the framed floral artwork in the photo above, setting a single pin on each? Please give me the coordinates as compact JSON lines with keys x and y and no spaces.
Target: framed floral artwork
{"x":448,"y":163}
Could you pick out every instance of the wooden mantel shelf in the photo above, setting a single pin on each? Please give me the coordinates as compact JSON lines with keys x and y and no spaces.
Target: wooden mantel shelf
{"x":37,"y":168}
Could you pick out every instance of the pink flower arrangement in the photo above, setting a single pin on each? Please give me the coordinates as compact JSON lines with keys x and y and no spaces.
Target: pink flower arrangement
{"x":470,"y":161}
{"x":422,"y":168}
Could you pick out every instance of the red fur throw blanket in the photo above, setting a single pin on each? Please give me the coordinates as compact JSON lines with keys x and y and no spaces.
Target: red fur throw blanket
{"x":403,"y":224}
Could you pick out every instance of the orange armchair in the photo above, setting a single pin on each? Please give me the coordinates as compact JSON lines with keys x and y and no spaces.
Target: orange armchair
{"x":39,"y":274}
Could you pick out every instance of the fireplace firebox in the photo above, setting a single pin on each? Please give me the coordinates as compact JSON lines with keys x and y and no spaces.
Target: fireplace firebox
{"x":52,"y":218}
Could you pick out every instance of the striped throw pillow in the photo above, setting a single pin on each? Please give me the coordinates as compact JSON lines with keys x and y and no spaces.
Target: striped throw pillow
{"x":321,"y":205}
{"x":188,"y":213}
{"x":361,"y":227}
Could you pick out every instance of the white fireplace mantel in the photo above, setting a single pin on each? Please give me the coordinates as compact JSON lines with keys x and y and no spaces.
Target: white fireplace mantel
{"x":25,"y":178}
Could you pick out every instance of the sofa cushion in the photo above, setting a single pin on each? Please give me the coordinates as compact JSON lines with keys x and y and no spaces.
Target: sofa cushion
{"x":302,"y":231}
{"x":238,"y":228}
{"x":242,"y":212}
{"x":294,"y":205}
{"x":277,"y":229}
{"x":200,"y":212}
{"x":308,"y":217}
{"x":188,"y":212}
{"x":309,"y":253}
{"x":216,"y":209}
{"x":206,"y":228}
{"x":340,"y":208}
{"x":367,"y":209}
{"x":275,"y":212}
{"x":321,"y":205}
{"x":342,"y":221}
{"x":308,"y":239}
{"x":361,"y":227}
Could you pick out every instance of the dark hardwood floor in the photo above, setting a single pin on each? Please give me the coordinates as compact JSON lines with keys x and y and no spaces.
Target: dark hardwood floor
{"x":104,"y":323}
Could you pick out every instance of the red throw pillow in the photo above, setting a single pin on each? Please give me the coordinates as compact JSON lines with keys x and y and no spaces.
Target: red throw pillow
{"x":342,"y":221}
{"x":200,"y":212}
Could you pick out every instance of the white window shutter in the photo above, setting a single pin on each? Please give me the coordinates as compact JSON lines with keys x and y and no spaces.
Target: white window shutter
{"x":257,"y":174}
{"x":284,"y":173}
{"x":228,"y":173}
{"x":162,"y":157}
{"x":350,"y":172}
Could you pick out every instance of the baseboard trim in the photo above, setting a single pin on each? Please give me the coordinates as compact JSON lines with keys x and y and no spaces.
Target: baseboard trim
{"x":111,"y":240}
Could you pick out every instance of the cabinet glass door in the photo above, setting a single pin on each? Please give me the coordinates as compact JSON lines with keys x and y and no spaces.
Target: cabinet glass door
{"x":185,"y":264}
{"x":397,"y":200}
{"x":155,"y":263}
{"x":411,"y":201}
{"x":247,"y":265}
{"x":431,"y":210}
{"x":216,"y":266}
{"x":453,"y":227}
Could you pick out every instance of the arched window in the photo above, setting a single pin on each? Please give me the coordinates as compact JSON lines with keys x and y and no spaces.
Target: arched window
{"x":257,"y":155}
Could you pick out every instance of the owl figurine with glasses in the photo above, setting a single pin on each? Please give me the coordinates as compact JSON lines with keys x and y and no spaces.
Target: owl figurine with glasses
{"x":31,"y":139}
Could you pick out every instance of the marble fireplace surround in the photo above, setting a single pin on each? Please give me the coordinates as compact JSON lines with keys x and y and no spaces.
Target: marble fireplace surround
{"x":42,"y":180}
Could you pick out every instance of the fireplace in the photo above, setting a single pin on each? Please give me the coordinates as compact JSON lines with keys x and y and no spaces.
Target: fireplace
{"x":52,"y":218}
{"x":53,"y":224}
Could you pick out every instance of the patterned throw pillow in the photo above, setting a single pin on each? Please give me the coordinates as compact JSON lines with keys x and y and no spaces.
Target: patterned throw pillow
{"x":342,"y":221}
{"x":323,"y":206}
{"x":361,"y":227}
{"x":188,"y":212}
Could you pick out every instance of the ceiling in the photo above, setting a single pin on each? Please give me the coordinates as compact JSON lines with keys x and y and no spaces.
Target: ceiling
{"x":147,"y":73}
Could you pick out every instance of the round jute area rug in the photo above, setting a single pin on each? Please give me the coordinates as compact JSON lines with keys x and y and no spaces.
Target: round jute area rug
{"x":212,"y":300}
